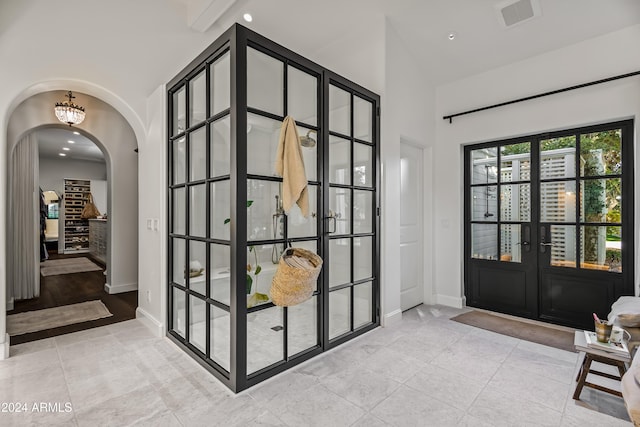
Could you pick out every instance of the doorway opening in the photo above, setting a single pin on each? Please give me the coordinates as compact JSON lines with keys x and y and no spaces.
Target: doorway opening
{"x":71,"y":170}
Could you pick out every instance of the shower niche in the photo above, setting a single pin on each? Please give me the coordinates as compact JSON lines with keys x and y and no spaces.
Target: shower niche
{"x":227,"y":227}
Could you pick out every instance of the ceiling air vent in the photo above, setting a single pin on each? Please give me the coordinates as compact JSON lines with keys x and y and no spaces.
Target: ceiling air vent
{"x":512,"y":13}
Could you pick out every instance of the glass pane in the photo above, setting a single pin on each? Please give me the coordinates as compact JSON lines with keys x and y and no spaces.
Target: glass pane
{"x":220,"y":327}
{"x":198,"y":154}
{"x":515,"y":202}
{"x":339,"y":308}
{"x":484,"y":165}
{"x":340,"y":205}
{"x":263,"y":199}
{"x":179,"y":161}
{"x":558,"y":157}
{"x":309,"y":145}
{"x":601,"y":248}
{"x":198,"y":210}
{"x":601,"y":153}
{"x":563,"y":250}
{"x":601,"y":200}
{"x":339,"y":161}
{"x":339,"y":111}
{"x":179,"y":110}
{"x":220,"y":84}
{"x":220,"y":147}
{"x":299,"y":226}
{"x":362,"y":165}
{"x":265,"y":80}
{"x":484,"y":203}
{"x":198,"y":98}
{"x":340,"y":262}
{"x":179,"y":312}
{"x":302,"y":326}
{"x":558,"y":201}
{"x":179,"y":210}
{"x":198,"y":323}
{"x":262,"y":261}
{"x":197,"y":266}
{"x":362,"y":119}
{"x":179,"y":261}
{"x":264,"y":338}
{"x":362,"y":304}
{"x":510,"y":248}
{"x":362,"y":258}
{"x":262,"y":146}
{"x":515,"y":162}
{"x":220,"y":274}
{"x":302,"y":96}
{"x":484,"y":241}
{"x":220,"y":210}
{"x":363,"y":211}
{"x":310,"y":245}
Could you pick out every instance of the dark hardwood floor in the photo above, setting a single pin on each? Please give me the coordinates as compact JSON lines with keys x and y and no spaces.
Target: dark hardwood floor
{"x":73,"y":288}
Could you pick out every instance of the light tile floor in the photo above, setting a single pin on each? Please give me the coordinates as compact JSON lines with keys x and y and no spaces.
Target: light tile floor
{"x":424,"y":371}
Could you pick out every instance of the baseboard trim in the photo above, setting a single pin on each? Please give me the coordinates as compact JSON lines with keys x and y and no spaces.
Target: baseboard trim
{"x":10,"y":304}
{"x":150,"y":322}
{"x":449,"y":301}
{"x":118,"y":289}
{"x":5,"y":354}
{"x":392,"y":318}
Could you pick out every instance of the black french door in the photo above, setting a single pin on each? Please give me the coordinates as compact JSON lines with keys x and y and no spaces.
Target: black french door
{"x":549,"y":223}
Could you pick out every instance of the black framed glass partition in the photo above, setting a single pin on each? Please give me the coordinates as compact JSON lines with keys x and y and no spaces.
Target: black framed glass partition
{"x":227,"y":226}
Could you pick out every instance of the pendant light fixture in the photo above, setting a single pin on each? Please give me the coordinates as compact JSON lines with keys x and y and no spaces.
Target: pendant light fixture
{"x":68,"y":112}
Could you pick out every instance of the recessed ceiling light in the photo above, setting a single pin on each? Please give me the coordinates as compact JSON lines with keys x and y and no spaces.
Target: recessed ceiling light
{"x":66,"y":148}
{"x":247,"y":17}
{"x":76,"y":133}
{"x":452,"y":36}
{"x":71,"y":141}
{"x":61,"y":154}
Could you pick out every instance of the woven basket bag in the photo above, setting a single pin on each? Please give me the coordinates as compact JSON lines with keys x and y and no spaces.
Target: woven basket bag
{"x":294,"y":285}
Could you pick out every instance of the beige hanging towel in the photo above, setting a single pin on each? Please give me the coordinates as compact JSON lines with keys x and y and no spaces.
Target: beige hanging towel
{"x":290,"y":166}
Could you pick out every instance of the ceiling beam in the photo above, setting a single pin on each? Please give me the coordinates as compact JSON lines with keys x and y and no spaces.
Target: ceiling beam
{"x":202,"y":14}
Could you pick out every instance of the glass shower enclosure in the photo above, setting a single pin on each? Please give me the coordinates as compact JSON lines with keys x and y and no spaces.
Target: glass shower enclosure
{"x":227,"y":226}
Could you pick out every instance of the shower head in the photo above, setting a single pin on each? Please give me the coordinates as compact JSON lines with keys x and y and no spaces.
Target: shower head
{"x":307,"y":141}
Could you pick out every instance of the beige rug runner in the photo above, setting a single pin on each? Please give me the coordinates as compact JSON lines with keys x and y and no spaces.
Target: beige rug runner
{"x":67,"y":266}
{"x":38,"y":320}
{"x":523,"y":330}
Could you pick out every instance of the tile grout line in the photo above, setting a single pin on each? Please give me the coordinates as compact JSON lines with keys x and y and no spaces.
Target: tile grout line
{"x":66,"y":382}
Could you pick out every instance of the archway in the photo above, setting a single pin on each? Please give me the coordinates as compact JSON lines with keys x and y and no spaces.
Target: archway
{"x":118,"y":130}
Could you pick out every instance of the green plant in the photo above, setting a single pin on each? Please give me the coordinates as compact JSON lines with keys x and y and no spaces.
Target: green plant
{"x":256,"y":297}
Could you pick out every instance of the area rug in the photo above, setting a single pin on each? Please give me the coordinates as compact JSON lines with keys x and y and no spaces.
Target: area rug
{"x":55,"y":267}
{"x":545,"y":335}
{"x":38,"y":320}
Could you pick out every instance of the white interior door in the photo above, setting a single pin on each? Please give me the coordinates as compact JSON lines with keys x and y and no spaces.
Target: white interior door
{"x":411,"y":226}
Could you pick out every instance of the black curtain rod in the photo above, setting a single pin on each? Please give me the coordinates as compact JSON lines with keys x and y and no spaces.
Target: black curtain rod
{"x":540,"y":95}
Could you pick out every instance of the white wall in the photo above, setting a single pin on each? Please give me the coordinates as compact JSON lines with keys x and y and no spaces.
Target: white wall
{"x":152,"y":205}
{"x":593,"y":59}
{"x":99,"y":191}
{"x":407,"y":116}
{"x":54,"y":171}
